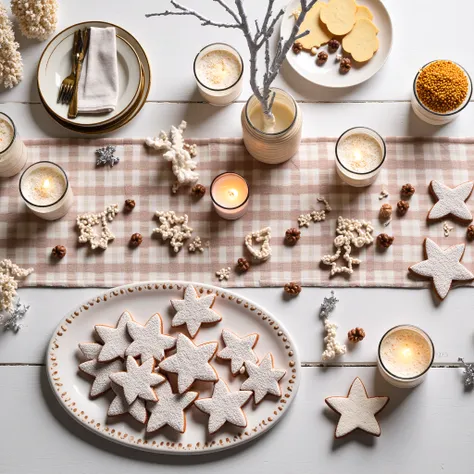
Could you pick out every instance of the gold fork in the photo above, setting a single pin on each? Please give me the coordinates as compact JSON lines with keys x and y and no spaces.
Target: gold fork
{"x":82,"y":52}
{"x":67,"y":86}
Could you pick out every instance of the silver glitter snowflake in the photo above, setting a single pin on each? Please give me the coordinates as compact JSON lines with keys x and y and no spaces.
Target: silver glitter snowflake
{"x":328,"y":305}
{"x":11,"y":319}
{"x":105,"y":156}
{"x":468,"y":373}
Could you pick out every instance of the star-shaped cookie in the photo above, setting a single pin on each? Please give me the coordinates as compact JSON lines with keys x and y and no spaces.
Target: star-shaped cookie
{"x":443,"y":266}
{"x":263,"y":378}
{"x":357,"y":410}
{"x":191,"y":362}
{"x":138,"y":380}
{"x":101,"y":371}
{"x":119,"y":405}
{"x":149,"y":340}
{"x":116,"y":340}
{"x":194,"y":311}
{"x":90,"y":350}
{"x":169,"y":409}
{"x":224,"y":406}
{"x":238,"y":350}
{"x":451,"y":201}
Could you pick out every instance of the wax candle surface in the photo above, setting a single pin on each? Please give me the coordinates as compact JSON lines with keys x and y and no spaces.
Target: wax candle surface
{"x":44,"y":186}
{"x":359,"y":152}
{"x":6,"y":136}
{"x":284,"y":117}
{"x":406,"y":353}
{"x":218,"y":69}
{"x":230,"y":190}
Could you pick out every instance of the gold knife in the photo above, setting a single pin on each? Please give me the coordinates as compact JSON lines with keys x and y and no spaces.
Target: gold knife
{"x":72,"y":112}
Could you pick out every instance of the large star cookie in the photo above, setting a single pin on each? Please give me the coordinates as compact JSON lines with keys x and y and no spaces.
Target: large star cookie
{"x":224,"y":406}
{"x":451,"y":201}
{"x":116,"y":340}
{"x":169,"y":409}
{"x":101,"y":371}
{"x":119,"y":405}
{"x":194,"y":311}
{"x":357,"y":410}
{"x":191,"y":362}
{"x":238,"y":350}
{"x":138,"y":380}
{"x":263,"y":378}
{"x":149,"y":340}
{"x":443,"y":266}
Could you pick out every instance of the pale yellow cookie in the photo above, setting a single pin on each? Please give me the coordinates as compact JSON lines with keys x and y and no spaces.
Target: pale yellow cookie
{"x":339,"y":16}
{"x":318,"y":32}
{"x":362,"y":41}
{"x":363,"y":12}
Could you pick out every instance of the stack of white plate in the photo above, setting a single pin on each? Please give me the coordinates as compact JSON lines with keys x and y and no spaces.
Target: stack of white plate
{"x":134,"y":80}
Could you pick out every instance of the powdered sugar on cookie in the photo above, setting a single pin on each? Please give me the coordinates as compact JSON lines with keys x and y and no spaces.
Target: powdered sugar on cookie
{"x":451,"y":201}
{"x":116,"y":340}
{"x":101,"y":373}
{"x":90,"y":350}
{"x":119,"y":405}
{"x":238,"y":350}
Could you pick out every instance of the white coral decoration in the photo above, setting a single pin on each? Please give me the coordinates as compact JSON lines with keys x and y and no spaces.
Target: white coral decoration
{"x":37,"y":18}
{"x":173,"y":228}
{"x":11,"y":64}
{"x":9,"y":274}
{"x":196,"y":245}
{"x":332,"y":347}
{"x":86,"y":223}
{"x":223,"y":273}
{"x":315,"y":216}
{"x":350,"y":232}
{"x":180,"y":155}
{"x":261,"y":236}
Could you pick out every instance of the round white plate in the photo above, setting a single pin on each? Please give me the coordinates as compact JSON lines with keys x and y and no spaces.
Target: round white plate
{"x":143,"y":300}
{"x":328,"y":75}
{"x":55,"y":65}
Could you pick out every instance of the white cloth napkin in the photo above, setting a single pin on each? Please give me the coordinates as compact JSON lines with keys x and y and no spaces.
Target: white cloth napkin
{"x":99,"y":83}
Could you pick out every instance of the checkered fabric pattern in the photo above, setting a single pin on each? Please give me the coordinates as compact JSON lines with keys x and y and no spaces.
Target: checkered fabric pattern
{"x":279,"y":194}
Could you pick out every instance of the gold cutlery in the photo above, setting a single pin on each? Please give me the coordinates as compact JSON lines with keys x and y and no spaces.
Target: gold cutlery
{"x":72,"y":112}
{"x":67,"y":86}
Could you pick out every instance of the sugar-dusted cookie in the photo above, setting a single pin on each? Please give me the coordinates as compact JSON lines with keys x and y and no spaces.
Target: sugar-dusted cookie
{"x":451,"y":201}
{"x":138,"y":380}
{"x":90,"y":350}
{"x":238,"y":350}
{"x":318,"y":32}
{"x":363,"y":12}
{"x":263,"y":378}
{"x":357,"y":410}
{"x":116,"y":340}
{"x":362,"y":41}
{"x":101,"y":371}
{"x":149,"y":340}
{"x":443,"y":266}
{"x":191,"y":362}
{"x":169,"y":409}
{"x":119,"y":405}
{"x":194,"y":311}
{"x":339,"y":16}
{"x":224,"y":406}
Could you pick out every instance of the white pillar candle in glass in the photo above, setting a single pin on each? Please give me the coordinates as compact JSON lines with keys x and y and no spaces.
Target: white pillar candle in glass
{"x":405,"y":355}
{"x":45,"y":189}
{"x":360,"y":154}
{"x":230,"y":195}
{"x":13,"y":152}
{"x":218,"y":69}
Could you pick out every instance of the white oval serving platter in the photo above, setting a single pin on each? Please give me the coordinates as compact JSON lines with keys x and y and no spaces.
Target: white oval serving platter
{"x":142,"y":300}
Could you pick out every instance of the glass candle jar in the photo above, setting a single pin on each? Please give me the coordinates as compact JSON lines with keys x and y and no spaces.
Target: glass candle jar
{"x":276,"y":141}
{"x":13,"y":152}
{"x":230,"y":195}
{"x":405,"y":355}
{"x":44,"y":187}
{"x":360,"y":154}
{"x":423,"y":112}
{"x":218,"y":69}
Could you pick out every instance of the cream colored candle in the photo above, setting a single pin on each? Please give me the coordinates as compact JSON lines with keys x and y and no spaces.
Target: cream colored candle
{"x":230,"y":195}
{"x":13,"y":152}
{"x":283,"y":117}
{"x":405,"y":355}
{"x":45,"y":189}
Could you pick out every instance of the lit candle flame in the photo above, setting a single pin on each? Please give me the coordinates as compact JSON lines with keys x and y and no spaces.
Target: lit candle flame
{"x":46,"y":184}
{"x":406,"y":352}
{"x":233,"y":193}
{"x":357,"y":155}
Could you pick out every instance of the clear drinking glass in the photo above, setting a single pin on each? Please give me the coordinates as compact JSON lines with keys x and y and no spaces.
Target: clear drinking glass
{"x":13,"y":152}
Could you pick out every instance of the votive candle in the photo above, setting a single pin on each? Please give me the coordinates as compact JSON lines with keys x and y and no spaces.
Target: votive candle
{"x":405,"y":355}
{"x":44,"y":187}
{"x":360,"y":154}
{"x":230,"y":195}
{"x":13,"y":152}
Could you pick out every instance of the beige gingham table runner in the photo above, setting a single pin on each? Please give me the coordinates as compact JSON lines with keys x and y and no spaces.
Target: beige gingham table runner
{"x":279,"y":194}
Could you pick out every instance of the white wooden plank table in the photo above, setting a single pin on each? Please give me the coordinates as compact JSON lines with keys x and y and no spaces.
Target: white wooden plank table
{"x":429,"y":429}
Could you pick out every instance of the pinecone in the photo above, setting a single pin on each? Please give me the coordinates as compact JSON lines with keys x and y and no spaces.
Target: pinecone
{"x":356,"y":335}
{"x":198,"y":190}
{"x":292,"y":235}
{"x":243,"y":264}
{"x":345,"y":65}
{"x":384,"y":240}
{"x":129,"y":205}
{"x":407,"y":190}
{"x":402,"y":207}
{"x":136,"y":239}
{"x":59,"y":251}
{"x":297,"y":47}
{"x":385,"y":211}
{"x":292,"y":288}
{"x":333,"y":45}
{"x":322,"y":58}
{"x":470,"y":232}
